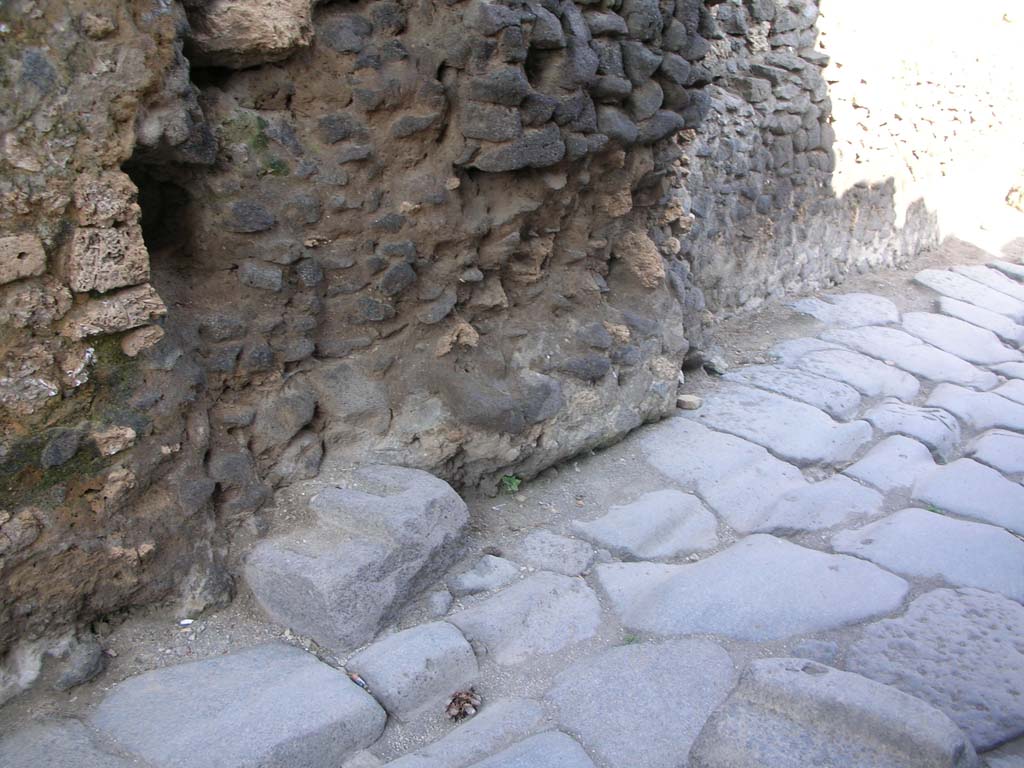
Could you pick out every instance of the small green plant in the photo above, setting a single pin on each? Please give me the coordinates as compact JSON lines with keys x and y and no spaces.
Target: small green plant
{"x":630,"y":640}
{"x":936,"y":510}
{"x":511,"y":483}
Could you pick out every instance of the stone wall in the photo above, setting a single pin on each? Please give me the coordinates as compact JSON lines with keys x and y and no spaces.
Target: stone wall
{"x":470,"y":237}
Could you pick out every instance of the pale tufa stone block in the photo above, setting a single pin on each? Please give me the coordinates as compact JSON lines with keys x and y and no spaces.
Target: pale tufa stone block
{"x":106,"y":198}
{"x":120,"y":311}
{"x":105,"y":258}
{"x":21,"y":256}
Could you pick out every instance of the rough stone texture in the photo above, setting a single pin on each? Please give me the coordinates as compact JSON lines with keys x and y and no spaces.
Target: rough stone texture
{"x":870,"y":377}
{"x":546,"y":750}
{"x":541,"y":614}
{"x":1009,"y":755}
{"x":789,"y":713}
{"x":498,"y":725}
{"x":1000,"y":325}
{"x":1001,"y":450}
{"x":850,"y":310}
{"x":58,"y":743}
{"x":218,"y":708}
{"x":792,"y":431}
{"x":966,"y":341}
{"x":962,"y":288}
{"x":548,"y":551}
{"x":682,"y":683}
{"x":228,"y":33}
{"x":895,"y":464}
{"x":978,"y":410}
{"x":490,"y":572}
{"x":838,"y":400}
{"x":727,"y":593}
{"x":926,"y":545}
{"x":21,"y":256}
{"x":934,"y":427}
{"x":969,"y":489}
{"x":379,"y":536}
{"x":661,"y":525}
{"x":913,"y":355}
{"x":958,"y":650}
{"x":417,"y":668}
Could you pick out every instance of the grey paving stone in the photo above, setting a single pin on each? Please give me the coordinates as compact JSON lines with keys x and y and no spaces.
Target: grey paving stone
{"x":272,"y":706}
{"x":913,"y":355}
{"x":1001,"y":450}
{"x":545,"y":750}
{"x":821,"y":651}
{"x":934,"y":427}
{"x":966,"y":341}
{"x":969,"y":489}
{"x":821,"y":505}
{"x":791,"y":430}
{"x":1000,"y":325}
{"x":660,"y":525}
{"x":669,"y":690}
{"x":417,"y":668}
{"x":1010,"y":755}
{"x":789,"y":351}
{"x":737,"y":479}
{"x":794,"y":713}
{"x":1010,"y":370}
{"x":978,"y":410}
{"x":1012,"y":390}
{"x":865,"y":374}
{"x":731,"y":594}
{"x":838,"y":400}
{"x":497,"y":725}
{"x":925,"y":545}
{"x":58,"y":744}
{"x":541,"y":614}
{"x":849,"y":310}
{"x":363,"y":759}
{"x":1008,"y":268}
{"x":992,"y":278}
{"x":548,"y":551}
{"x":960,"y":651}
{"x":965,"y":289}
{"x":489,"y":572}
{"x":895,"y":464}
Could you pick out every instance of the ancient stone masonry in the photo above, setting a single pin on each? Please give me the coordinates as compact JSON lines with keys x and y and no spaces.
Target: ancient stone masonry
{"x":242,"y":238}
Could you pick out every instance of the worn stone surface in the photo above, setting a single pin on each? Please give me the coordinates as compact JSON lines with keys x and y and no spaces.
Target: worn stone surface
{"x":548,"y":551}
{"x":1002,"y":326}
{"x":824,"y":504}
{"x":933,"y":426}
{"x":966,"y":341}
{"x":913,"y":355}
{"x":870,"y":377}
{"x":539,"y":615}
{"x":416,"y":668}
{"x":61,"y":744}
{"x":379,"y":536}
{"x":218,"y":708}
{"x":546,"y":750}
{"x":21,"y":256}
{"x":240,"y":34}
{"x":969,"y":489}
{"x":661,"y":525}
{"x":792,"y":431}
{"x":490,"y":572}
{"x":994,"y":279}
{"x":683,"y":682}
{"x":1012,"y":390}
{"x":963,"y":288}
{"x":895,"y":464}
{"x":1001,"y":450}
{"x":838,"y":400}
{"x":728,"y":595}
{"x":791,"y":712}
{"x":850,"y":310}
{"x":958,"y":650}
{"x":978,"y":410}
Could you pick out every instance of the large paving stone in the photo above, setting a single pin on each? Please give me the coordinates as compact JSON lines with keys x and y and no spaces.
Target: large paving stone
{"x":835,"y":398}
{"x":966,"y":341}
{"x":1010,"y":370}
{"x":1008,"y":268}
{"x":868,"y":376}
{"x":934,"y":427}
{"x":548,"y":551}
{"x":761,"y":588}
{"x":925,"y":545}
{"x":789,"y":351}
{"x":660,"y":525}
{"x":1009,"y":755}
{"x":541,"y":614}
{"x":417,"y":668}
{"x":960,"y":651}
{"x":913,"y":355}
{"x":895,"y":464}
{"x":826,"y":504}
{"x":58,"y":744}
{"x":737,"y":479}
{"x":1001,"y":450}
{"x":1012,"y":390}
{"x":849,"y":310}
{"x":668,"y":690}
{"x":979,"y":410}
{"x":969,"y":489}
{"x":545,"y":750}
{"x":378,"y":539}
{"x":498,"y":725}
{"x":488,"y":573}
{"x":795,"y":713}
{"x":965,"y":289}
{"x":992,"y":278}
{"x":273,"y":706}
{"x":1000,"y":325}
{"x":791,"y":430}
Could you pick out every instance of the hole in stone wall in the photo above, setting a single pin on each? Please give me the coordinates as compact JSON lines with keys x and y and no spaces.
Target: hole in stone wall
{"x":163,"y":203}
